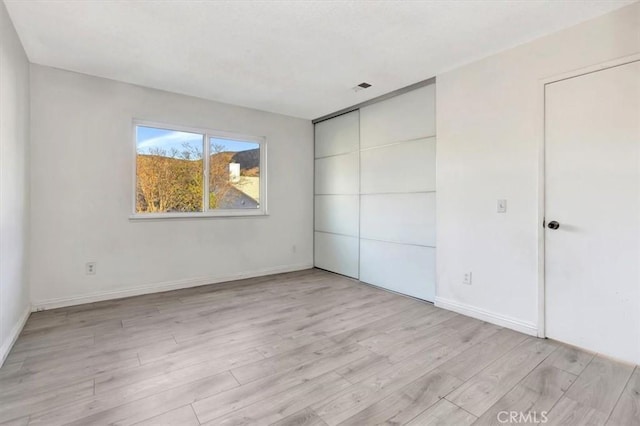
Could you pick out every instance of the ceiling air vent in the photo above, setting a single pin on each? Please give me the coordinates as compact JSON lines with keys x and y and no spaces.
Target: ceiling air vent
{"x":363,"y":85}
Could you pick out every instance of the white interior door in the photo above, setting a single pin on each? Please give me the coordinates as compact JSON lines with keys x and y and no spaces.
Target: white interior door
{"x":592,"y":191}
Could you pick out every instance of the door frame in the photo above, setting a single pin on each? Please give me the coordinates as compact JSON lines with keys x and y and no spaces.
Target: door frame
{"x":542,"y":83}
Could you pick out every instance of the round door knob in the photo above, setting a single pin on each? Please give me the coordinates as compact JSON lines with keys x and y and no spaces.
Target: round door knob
{"x":553,"y":225}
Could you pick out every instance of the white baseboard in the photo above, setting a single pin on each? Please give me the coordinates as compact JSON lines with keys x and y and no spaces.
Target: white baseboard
{"x":13,"y":335}
{"x":62,"y":302}
{"x":484,"y":315}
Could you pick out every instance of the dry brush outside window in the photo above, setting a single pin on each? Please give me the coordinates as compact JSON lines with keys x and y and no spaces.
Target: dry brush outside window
{"x":185,"y":172}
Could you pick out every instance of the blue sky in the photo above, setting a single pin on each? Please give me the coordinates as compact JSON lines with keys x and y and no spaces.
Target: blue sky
{"x":233,"y":146}
{"x":149,"y":137}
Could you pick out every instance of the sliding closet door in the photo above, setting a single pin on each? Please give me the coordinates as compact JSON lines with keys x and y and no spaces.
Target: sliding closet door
{"x":397,"y":172}
{"x":337,"y":185}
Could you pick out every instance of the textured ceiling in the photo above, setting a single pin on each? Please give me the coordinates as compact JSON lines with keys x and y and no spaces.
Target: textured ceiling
{"x":299,"y":58}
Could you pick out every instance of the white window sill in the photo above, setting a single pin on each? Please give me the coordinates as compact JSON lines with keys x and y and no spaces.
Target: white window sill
{"x":207,"y":215}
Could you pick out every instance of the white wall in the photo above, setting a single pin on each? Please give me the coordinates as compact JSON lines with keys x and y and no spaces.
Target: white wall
{"x":14,"y":184}
{"x":81,"y":170}
{"x":489,"y":121}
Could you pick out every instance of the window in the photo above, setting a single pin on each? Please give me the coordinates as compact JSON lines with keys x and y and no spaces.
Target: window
{"x":182,"y":172}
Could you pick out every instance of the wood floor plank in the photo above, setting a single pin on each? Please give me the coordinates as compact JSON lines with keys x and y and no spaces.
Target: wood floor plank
{"x":147,"y":385}
{"x":473,"y":360}
{"x":117,"y":379}
{"x":443,"y":413}
{"x":356,"y":334}
{"x":568,"y":412}
{"x":96,"y":356}
{"x":600,"y":384}
{"x":339,"y":322}
{"x":342,"y":405}
{"x":404,"y":341}
{"x":22,"y":421}
{"x":534,"y":396}
{"x":70,"y":328}
{"x":183,"y":416}
{"x":258,"y":390}
{"x":400,"y":320}
{"x":405,"y":404}
{"x":10,"y":370}
{"x":487,"y":387}
{"x":570,"y":359}
{"x":627,"y":410}
{"x":463,"y":323}
{"x":51,"y":379}
{"x":16,"y":406}
{"x":463,"y":339}
{"x":44,"y":319}
{"x":178,"y":377}
{"x":362,"y":368}
{"x":19,"y":354}
{"x":285,"y":403}
{"x":306,"y":417}
{"x":127,"y":412}
{"x":276,"y":364}
{"x":401,"y":343}
{"x":359,"y":312}
{"x":272,"y":317}
{"x":195,"y":348}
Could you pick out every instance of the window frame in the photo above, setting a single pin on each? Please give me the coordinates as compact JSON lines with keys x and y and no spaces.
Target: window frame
{"x":207,"y":134}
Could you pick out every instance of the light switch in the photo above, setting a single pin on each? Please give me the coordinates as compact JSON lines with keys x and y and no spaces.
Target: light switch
{"x":502,"y":206}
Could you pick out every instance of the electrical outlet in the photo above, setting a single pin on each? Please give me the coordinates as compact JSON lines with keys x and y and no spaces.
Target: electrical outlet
{"x":467,"y":278}
{"x":90,"y":268}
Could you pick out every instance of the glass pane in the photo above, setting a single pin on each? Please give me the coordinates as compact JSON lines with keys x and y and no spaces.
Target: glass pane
{"x":234,"y":174}
{"x":168,"y":171}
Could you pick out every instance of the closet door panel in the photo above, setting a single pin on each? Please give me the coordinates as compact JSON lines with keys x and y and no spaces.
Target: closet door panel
{"x":336,"y":253}
{"x":404,"y":167}
{"x":406,"y":269}
{"x":401,"y":218}
{"x":337,"y":175}
{"x":337,"y":214}
{"x":337,"y":194}
{"x":405,"y":117}
{"x":397,"y":193}
{"x":339,"y":135}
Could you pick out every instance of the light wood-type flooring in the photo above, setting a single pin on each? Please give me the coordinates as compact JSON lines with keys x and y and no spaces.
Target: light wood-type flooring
{"x":304,"y":348}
